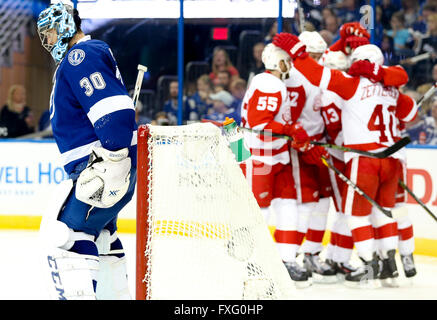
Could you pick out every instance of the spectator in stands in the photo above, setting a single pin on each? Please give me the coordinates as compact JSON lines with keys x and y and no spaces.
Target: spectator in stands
{"x":327,"y":12}
{"x":349,"y":11}
{"x":388,"y":8}
{"x":424,"y":129}
{"x":161,"y":119}
{"x":429,"y":43}
{"x":387,"y":49}
{"x":420,"y":24}
{"x":272,"y":31}
{"x":222,"y":102}
{"x":286,"y":27}
{"x":410,"y":12}
{"x":171,"y":106}
{"x":238,"y":90}
{"x":327,"y":36}
{"x":425,"y":44}
{"x":140,"y":117}
{"x":224,"y":79}
{"x":256,"y":65}
{"x":44,"y":121}
{"x":378,"y":27}
{"x":200,"y":99}
{"x":400,"y":34}
{"x":332,"y":25}
{"x":16,"y":118}
{"x":433,"y":118}
{"x":221,"y":62}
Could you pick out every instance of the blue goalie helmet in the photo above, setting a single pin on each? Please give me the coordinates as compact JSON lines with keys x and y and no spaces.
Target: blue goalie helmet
{"x":55,"y":28}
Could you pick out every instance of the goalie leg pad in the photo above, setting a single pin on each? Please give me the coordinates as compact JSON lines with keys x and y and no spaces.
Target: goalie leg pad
{"x":112,"y":281}
{"x":71,"y":275}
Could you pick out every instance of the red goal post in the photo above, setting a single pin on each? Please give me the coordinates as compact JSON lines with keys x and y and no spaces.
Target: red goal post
{"x":200,"y":232}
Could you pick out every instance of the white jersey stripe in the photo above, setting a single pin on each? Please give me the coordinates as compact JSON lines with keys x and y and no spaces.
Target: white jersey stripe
{"x":326,"y":77}
{"x":350,"y":191}
{"x":85,"y":150}
{"x":109,"y":105}
{"x":296,"y":173}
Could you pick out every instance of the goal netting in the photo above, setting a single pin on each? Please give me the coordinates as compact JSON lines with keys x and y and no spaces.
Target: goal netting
{"x":200,"y":232}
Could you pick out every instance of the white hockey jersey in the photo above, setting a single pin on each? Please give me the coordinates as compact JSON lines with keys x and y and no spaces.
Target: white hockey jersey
{"x":370,"y":109}
{"x":304,"y":97}
{"x":265,"y":107}
{"x":330,"y":105}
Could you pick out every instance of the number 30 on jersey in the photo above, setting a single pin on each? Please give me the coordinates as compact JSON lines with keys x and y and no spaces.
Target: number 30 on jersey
{"x":94,"y":82}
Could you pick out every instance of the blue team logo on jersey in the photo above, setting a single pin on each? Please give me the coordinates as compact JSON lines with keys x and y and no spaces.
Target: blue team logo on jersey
{"x":76,"y":56}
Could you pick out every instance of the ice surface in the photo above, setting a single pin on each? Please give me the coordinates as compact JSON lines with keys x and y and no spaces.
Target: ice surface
{"x":21,"y":275}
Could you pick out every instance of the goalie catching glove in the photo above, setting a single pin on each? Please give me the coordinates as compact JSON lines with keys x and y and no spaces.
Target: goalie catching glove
{"x":106,"y":178}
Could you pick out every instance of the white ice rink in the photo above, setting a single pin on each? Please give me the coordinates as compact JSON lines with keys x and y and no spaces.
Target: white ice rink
{"x":21,"y":275}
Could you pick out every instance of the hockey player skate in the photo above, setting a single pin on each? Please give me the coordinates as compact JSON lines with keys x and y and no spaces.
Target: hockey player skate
{"x":388,"y":272}
{"x":321,"y":271}
{"x":300,"y":276}
{"x":342,"y":269}
{"x":366,"y":276}
{"x":408,"y":265}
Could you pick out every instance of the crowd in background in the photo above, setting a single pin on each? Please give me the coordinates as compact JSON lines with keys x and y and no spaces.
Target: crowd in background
{"x":403,"y":29}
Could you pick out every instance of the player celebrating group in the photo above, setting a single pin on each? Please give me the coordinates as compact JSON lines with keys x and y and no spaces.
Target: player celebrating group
{"x":368,"y":123}
{"x":268,"y":171}
{"x":93,"y":121}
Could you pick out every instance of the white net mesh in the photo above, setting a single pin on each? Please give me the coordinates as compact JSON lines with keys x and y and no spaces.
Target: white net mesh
{"x":207,"y":239}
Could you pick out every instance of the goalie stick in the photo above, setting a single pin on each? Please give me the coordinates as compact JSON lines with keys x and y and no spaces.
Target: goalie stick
{"x":138,"y":83}
{"x":404,"y":186}
{"x":379,"y":155}
{"x":356,"y":188}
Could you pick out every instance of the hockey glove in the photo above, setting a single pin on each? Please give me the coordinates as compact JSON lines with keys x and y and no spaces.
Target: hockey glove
{"x":354,"y":42}
{"x":300,"y":137}
{"x":106,"y":179}
{"x":367,"y":69}
{"x":313,"y":155}
{"x":290,"y":44}
{"x":353,"y":29}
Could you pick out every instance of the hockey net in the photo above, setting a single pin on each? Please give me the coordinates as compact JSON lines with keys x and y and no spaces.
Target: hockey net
{"x":200,"y":232}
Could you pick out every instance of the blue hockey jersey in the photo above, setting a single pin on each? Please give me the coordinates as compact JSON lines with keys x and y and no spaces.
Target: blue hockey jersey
{"x":89,"y":104}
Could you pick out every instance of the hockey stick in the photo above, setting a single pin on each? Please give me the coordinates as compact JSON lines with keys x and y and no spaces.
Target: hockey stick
{"x":379,"y":155}
{"x":301,"y":16}
{"x":356,"y":188}
{"x":427,"y":95}
{"x":138,"y":83}
{"x":417,"y":58}
{"x":404,"y":186}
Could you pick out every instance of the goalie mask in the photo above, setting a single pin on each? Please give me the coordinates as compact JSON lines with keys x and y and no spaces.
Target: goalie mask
{"x":56,"y":27}
{"x":272,"y":56}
